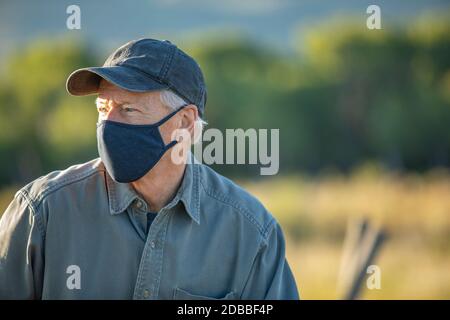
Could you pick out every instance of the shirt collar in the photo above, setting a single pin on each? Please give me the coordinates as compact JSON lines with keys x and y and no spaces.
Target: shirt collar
{"x":122,"y":195}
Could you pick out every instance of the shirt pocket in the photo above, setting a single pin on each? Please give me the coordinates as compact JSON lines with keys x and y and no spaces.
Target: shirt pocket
{"x":180,"y":294}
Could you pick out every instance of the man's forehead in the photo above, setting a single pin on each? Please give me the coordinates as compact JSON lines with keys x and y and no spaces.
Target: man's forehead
{"x":108,"y":90}
{"x":106,"y":87}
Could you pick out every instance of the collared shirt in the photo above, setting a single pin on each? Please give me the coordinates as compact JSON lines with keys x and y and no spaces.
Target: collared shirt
{"x":78,"y":234}
{"x":150,"y":217}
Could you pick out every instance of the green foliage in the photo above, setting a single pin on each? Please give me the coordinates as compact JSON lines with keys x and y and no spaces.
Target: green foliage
{"x":350,"y":96}
{"x":41,"y":128}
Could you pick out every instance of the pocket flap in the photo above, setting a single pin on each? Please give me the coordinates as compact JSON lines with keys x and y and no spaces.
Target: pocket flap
{"x":180,"y":294}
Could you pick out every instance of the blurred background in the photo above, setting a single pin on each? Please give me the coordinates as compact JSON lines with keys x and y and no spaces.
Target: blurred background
{"x":364,"y":115}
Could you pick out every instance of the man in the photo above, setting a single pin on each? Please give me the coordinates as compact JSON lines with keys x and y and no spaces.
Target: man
{"x":135,"y":224}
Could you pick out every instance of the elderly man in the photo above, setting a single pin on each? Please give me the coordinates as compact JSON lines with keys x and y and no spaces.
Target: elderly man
{"x":135,"y":224}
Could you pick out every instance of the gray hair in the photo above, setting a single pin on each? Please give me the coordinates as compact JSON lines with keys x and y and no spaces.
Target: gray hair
{"x":174,"y":102}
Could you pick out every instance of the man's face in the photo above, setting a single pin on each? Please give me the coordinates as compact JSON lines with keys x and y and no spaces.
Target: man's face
{"x":117,"y":104}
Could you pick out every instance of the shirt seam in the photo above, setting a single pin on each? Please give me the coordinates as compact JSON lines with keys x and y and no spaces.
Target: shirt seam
{"x":48,"y":190}
{"x":34,"y":212}
{"x":260,"y":248}
{"x":247,"y":213}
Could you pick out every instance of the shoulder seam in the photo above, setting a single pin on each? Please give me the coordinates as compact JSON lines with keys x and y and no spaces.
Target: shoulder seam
{"x":60,"y":184}
{"x":226,"y":200}
{"x":34,"y":212}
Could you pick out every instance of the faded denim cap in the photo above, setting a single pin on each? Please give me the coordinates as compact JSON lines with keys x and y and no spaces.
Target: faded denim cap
{"x":145,"y":65}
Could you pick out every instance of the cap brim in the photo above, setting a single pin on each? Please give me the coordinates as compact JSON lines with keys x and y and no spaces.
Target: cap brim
{"x":86,"y":81}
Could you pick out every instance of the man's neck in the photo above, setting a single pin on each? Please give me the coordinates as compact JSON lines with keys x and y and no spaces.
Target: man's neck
{"x":160,"y":184}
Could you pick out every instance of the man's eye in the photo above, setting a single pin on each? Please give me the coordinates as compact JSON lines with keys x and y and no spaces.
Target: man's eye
{"x":128,"y":109}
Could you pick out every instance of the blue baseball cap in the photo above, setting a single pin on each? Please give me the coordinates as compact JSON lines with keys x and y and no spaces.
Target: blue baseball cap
{"x":145,"y":65}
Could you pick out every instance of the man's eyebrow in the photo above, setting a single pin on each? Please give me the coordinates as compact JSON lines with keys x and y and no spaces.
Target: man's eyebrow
{"x":117,"y":101}
{"x":120,"y":101}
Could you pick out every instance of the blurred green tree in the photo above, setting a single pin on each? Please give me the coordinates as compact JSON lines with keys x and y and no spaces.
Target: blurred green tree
{"x":350,"y":95}
{"x":41,"y":128}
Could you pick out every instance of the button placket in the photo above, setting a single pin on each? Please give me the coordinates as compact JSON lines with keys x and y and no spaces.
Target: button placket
{"x":150,"y":268}
{"x":139,"y":210}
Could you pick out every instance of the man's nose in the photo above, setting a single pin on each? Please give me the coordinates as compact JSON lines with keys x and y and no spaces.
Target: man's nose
{"x":113,"y":113}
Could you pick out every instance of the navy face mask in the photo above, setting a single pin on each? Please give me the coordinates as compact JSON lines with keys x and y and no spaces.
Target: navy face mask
{"x":129,"y":151}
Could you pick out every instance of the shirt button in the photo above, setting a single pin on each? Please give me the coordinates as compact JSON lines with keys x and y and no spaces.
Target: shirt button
{"x":139,"y":204}
{"x":152,"y":245}
{"x":146,"y":293}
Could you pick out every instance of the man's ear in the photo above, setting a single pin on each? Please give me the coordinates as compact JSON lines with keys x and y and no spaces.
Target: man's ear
{"x":190,"y":114}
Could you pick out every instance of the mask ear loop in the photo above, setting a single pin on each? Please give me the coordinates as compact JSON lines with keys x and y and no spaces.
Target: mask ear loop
{"x":170,"y":115}
{"x":160,"y":122}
